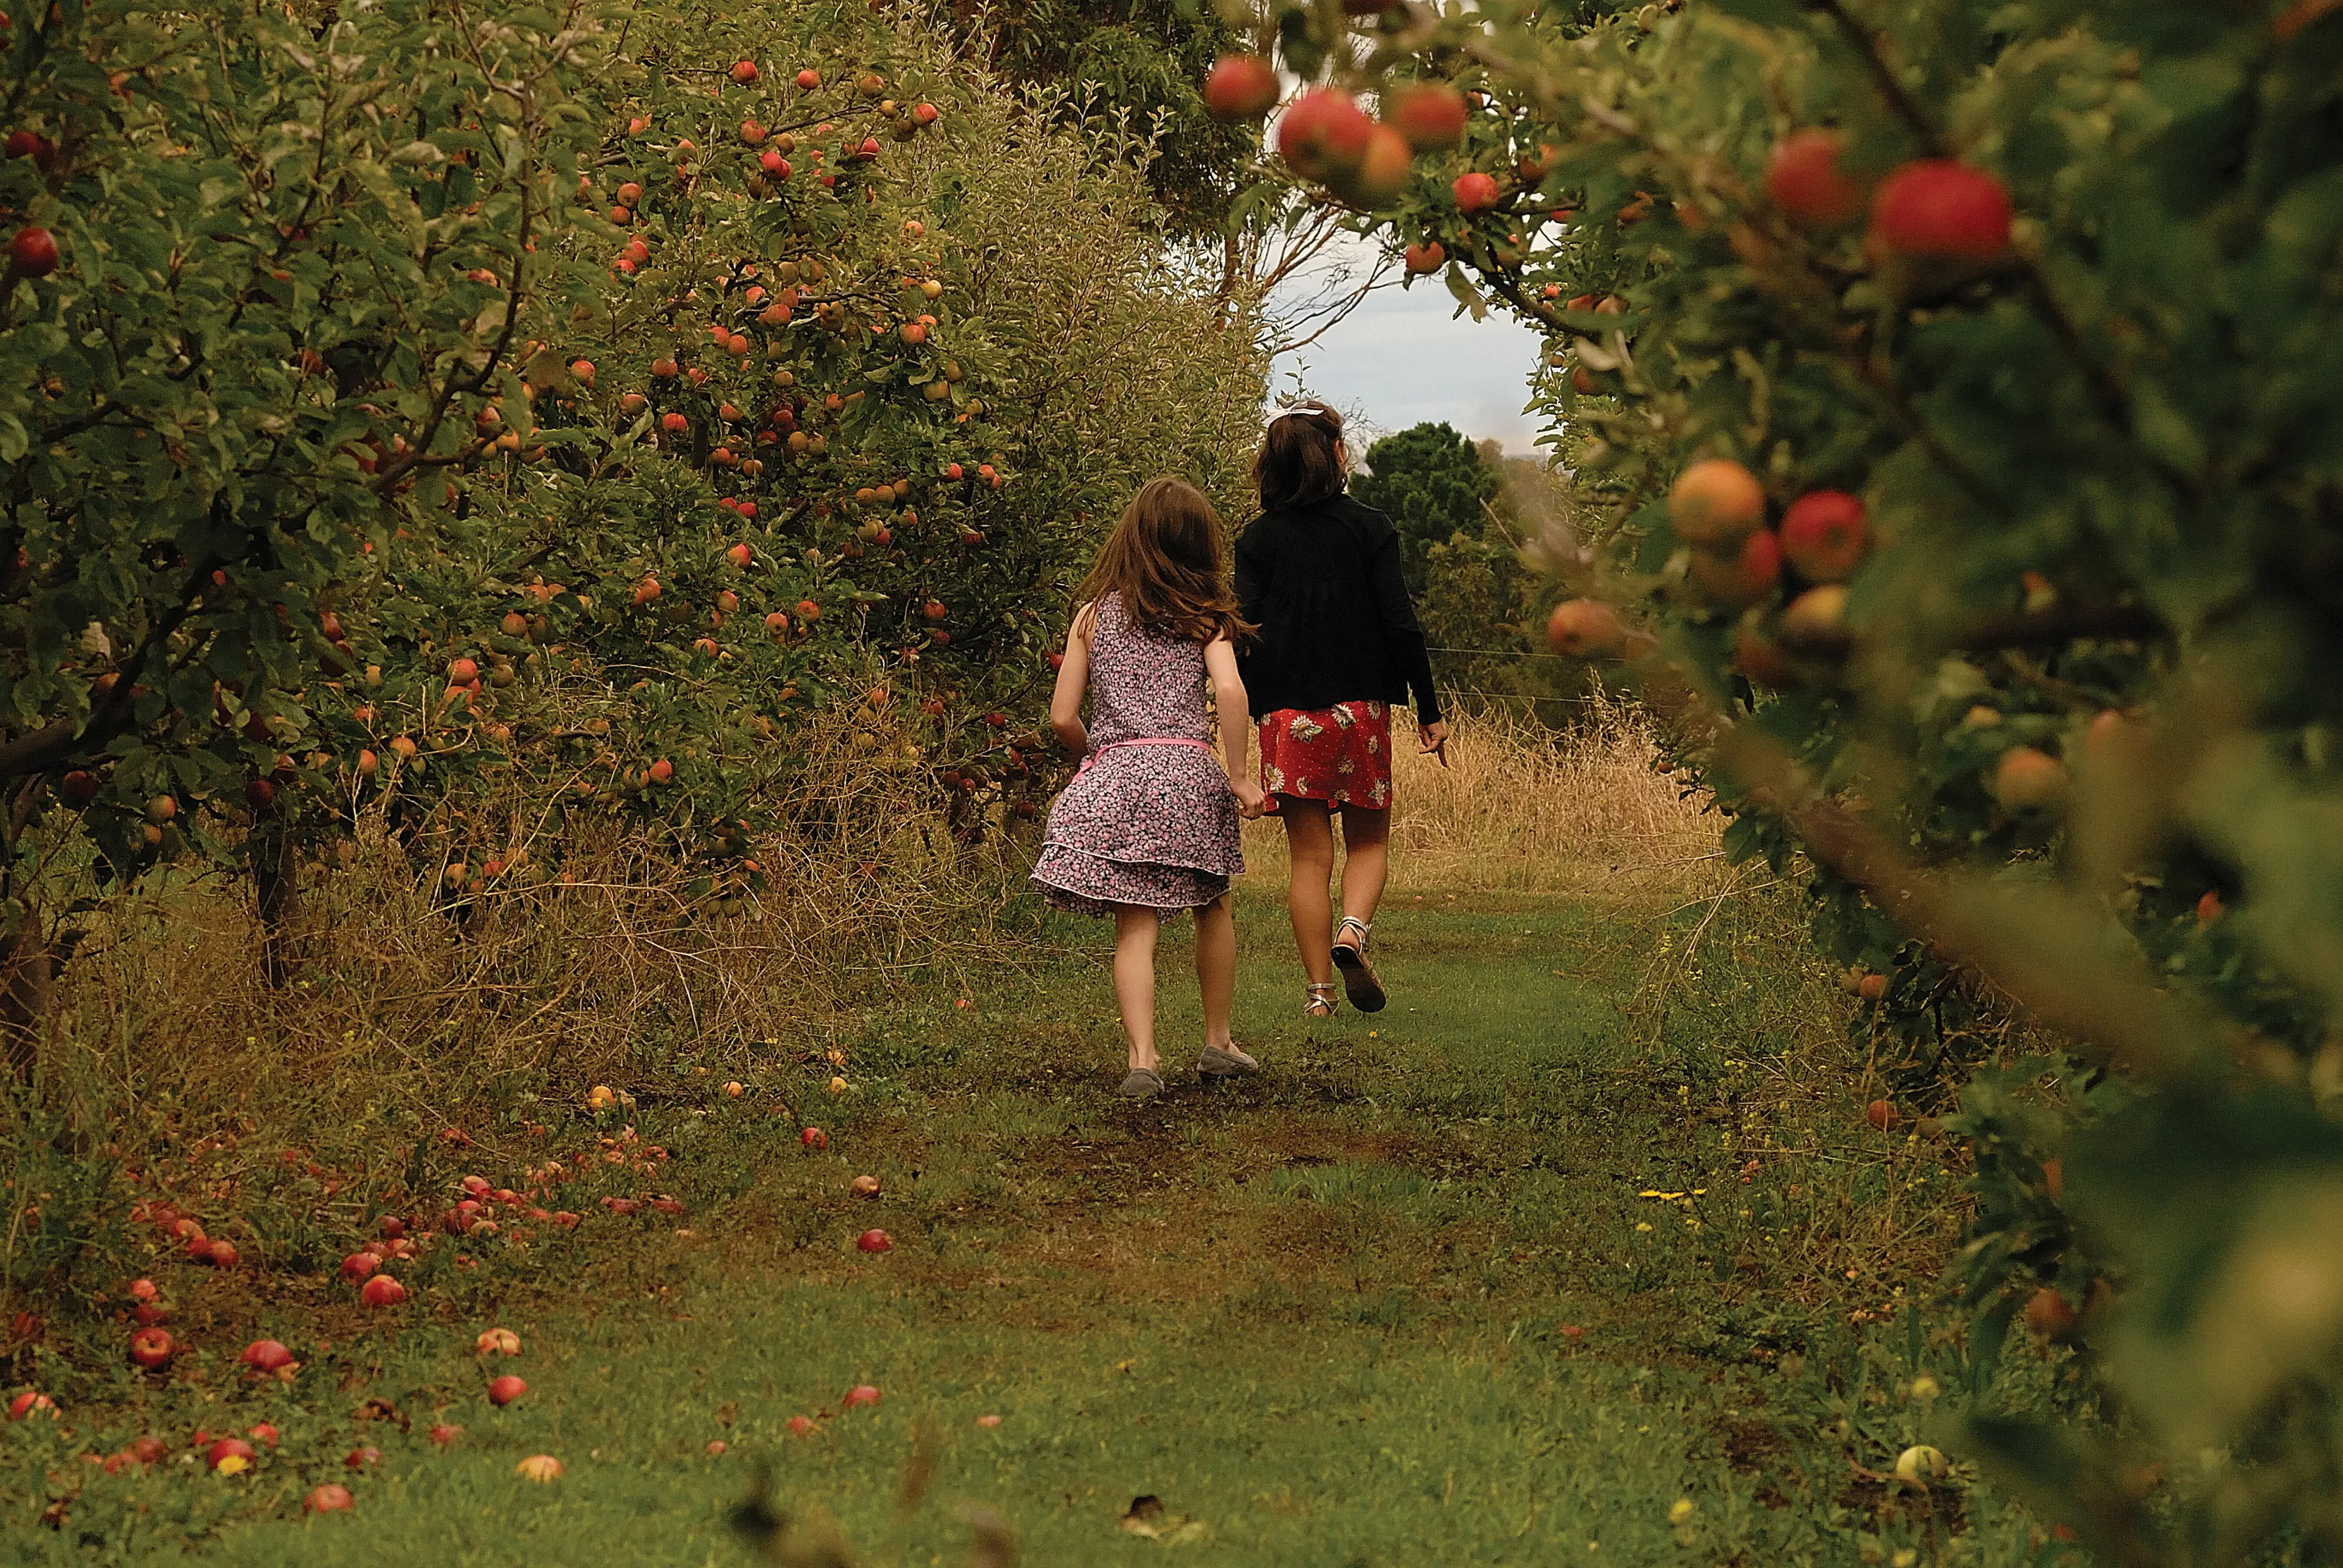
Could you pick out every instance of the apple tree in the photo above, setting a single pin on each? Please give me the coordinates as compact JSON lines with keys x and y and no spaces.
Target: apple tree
{"x":1955,"y":389}
{"x":265,"y":264}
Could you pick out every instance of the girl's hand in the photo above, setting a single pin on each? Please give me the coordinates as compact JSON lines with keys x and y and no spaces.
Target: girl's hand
{"x":1433,"y":739}
{"x":1250,"y":801}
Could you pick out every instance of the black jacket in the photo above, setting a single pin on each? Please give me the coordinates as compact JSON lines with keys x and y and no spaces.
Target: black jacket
{"x":1323,"y":582}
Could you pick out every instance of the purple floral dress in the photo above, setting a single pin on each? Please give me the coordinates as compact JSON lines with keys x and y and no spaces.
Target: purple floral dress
{"x":1150,"y":825}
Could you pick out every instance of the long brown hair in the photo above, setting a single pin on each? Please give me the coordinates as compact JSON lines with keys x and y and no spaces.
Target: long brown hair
{"x":1298,"y":463}
{"x":1164,"y":559}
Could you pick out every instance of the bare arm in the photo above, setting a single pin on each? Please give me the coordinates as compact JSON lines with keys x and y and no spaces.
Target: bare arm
{"x":1236,"y":724}
{"x":1073,"y":681}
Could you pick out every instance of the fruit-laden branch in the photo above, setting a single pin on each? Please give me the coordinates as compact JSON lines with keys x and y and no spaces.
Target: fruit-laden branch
{"x":2039,"y":947}
{"x":399,"y":467}
{"x":2112,"y":398}
{"x":60,"y":740}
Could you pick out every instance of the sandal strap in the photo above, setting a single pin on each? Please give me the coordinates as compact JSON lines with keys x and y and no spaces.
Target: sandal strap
{"x":1319,"y":995}
{"x":1365,"y":929}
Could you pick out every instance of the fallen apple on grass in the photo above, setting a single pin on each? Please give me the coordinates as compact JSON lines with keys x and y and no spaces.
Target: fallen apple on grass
{"x":268,"y":1356}
{"x":382,"y":1290}
{"x":539,"y":1468}
{"x":873,"y":1241}
{"x":358,"y":1266}
{"x":861,"y":1394}
{"x":1919,"y":1464}
{"x":265,"y":1434}
{"x":814,"y":1139}
{"x":503,"y":1391}
{"x":31,"y":1404}
{"x":328,"y":1499}
{"x":864,"y":1186}
{"x":444,"y":1435}
{"x":799,"y":1425}
{"x":498,"y":1342}
{"x":151,"y":1348}
{"x":362,"y":1458}
{"x":231,"y":1455}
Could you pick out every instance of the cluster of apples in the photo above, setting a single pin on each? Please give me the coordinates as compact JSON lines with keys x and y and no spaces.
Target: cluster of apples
{"x":1737,"y":563}
{"x":1324,"y":136}
{"x":1718,"y":508}
{"x":183,"y":1229}
{"x":1935,"y":208}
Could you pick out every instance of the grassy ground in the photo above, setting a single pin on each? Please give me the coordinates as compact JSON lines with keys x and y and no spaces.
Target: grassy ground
{"x":1477,"y":1279}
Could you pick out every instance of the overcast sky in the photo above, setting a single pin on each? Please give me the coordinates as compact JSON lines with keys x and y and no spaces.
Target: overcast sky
{"x":1402,"y":360}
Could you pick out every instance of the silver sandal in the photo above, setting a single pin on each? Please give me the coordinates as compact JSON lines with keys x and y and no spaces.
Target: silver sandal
{"x":1359,"y":981}
{"x":1318,"y":1000}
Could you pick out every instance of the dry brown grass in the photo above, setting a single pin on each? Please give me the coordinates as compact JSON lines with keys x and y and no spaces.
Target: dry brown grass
{"x":410,"y":1008}
{"x":1523,"y":808}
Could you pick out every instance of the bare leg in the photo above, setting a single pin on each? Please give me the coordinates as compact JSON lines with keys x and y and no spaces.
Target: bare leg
{"x":1366,"y":859}
{"x":1134,"y":980}
{"x":1310,"y":846}
{"x":1216,"y":968}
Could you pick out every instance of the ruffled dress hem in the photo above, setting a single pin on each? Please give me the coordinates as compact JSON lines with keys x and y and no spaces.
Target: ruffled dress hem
{"x":1087,"y":884}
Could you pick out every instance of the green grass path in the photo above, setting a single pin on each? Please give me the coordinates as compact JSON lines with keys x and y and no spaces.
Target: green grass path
{"x":1388,"y":1304}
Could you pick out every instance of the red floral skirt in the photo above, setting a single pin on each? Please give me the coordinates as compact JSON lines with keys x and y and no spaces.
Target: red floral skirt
{"x":1340,"y":754}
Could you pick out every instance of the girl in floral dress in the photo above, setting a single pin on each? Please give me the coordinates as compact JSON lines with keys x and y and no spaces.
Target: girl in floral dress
{"x":1149,"y":827}
{"x":1339,"y":643}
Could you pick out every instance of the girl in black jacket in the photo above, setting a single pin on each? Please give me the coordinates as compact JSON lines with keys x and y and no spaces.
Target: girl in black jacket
{"x":1319,"y":575}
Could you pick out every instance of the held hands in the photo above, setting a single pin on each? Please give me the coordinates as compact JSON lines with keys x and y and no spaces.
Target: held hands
{"x":1250,"y":801}
{"x":1433,"y":739}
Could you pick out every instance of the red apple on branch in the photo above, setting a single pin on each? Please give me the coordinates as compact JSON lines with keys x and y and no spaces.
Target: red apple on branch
{"x":33,"y":253}
{"x":1823,"y":534}
{"x":1940,"y":207}
{"x":1430,"y":115}
{"x":1716,"y":501}
{"x":1586,"y":628}
{"x":1239,"y":87}
{"x":1476,"y":192}
{"x":1323,"y":133}
{"x":1803,"y":178}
